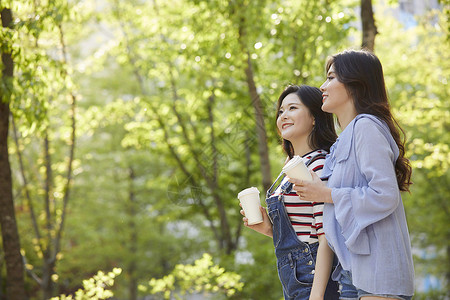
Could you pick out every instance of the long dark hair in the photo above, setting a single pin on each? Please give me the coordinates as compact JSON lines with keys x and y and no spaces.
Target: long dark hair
{"x":323,"y":134}
{"x":362,"y":75}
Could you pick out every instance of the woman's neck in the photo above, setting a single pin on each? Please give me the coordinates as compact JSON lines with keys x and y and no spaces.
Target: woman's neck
{"x":301,"y":147}
{"x":346,"y":113}
{"x":345,"y":118}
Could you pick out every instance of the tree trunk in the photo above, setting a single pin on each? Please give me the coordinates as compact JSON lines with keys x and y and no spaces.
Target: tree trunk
{"x":447,"y":274}
{"x":15,"y":282}
{"x":133,"y":242}
{"x":47,"y":265}
{"x":263,"y":148}
{"x":11,"y":243}
{"x":369,"y":30}
{"x":2,"y":294}
{"x":48,"y":268}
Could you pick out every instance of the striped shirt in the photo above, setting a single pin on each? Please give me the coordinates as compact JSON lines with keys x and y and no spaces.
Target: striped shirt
{"x":306,"y":217}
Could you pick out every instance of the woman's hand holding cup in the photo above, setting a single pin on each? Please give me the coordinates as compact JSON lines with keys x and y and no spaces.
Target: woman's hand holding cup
{"x":312,"y":191}
{"x":265,"y":227}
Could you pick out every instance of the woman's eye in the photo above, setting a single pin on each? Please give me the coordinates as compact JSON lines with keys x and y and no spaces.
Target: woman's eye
{"x":292,"y":108}
{"x":330,"y":77}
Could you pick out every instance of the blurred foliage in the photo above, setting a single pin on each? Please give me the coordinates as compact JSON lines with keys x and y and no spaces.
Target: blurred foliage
{"x":166,"y":131}
{"x":416,"y":62}
{"x":201,"y":277}
{"x":94,"y":288}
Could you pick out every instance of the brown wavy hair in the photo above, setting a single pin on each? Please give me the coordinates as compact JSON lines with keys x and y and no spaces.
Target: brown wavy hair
{"x":323,"y":134}
{"x":362,"y":75}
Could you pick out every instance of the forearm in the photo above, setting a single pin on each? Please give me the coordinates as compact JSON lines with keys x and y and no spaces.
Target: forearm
{"x":322,"y":271}
{"x":269,"y":233}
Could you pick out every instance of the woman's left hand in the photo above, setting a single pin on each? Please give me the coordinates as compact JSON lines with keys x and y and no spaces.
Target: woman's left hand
{"x":312,"y":191}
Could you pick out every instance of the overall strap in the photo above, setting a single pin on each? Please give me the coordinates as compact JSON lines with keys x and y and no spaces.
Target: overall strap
{"x":288,"y":185}
{"x":273,"y":187}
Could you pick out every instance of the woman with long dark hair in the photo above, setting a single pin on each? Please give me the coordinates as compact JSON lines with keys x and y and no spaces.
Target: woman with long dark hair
{"x":364,"y":217}
{"x":304,"y":260}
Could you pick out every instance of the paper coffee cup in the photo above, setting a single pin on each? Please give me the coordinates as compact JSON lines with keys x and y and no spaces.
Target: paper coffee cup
{"x":296,"y":168}
{"x":250,"y":201}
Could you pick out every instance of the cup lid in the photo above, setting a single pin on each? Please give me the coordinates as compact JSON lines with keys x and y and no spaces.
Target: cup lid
{"x":247,"y":191}
{"x":292,"y":163}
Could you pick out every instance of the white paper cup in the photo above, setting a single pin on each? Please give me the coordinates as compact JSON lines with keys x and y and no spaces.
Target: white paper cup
{"x":296,"y":168}
{"x":250,"y":201}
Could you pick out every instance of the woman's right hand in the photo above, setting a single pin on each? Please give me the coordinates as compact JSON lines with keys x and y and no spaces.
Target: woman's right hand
{"x":264,"y":228}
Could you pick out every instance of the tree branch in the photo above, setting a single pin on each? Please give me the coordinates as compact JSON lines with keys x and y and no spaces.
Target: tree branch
{"x":204,"y":208}
{"x":71,"y":149}
{"x":25,"y":186}
{"x":48,"y":184}
{"x":211,"y":102}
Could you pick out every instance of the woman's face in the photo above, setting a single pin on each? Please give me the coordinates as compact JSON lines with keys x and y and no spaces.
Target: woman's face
{"x":335,"y":97}
{"x":294,"y":119}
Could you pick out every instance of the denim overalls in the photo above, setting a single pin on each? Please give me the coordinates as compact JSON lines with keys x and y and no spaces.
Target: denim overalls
{"x":296,"y":260}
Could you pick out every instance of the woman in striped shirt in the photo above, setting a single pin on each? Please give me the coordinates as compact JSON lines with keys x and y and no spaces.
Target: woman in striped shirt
{"x":304,"y":260}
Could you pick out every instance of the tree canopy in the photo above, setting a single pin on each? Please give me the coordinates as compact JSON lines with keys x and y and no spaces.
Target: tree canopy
{"x":134,"y":124}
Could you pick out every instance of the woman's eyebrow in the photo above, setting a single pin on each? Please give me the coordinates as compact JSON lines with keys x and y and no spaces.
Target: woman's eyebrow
{"x":289,"y":103}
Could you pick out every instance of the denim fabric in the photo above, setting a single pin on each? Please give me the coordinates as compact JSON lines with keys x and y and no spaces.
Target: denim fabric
{"x":296,"y":260}
{"x":350,"y":292}
{"x":362,"y":293}
{"x":346,"y":288}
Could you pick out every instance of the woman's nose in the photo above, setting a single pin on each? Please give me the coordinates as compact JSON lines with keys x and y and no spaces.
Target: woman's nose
{"x":322,"y":87}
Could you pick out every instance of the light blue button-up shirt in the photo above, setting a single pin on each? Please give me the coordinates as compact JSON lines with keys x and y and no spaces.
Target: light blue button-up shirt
{"x":366,"y":223}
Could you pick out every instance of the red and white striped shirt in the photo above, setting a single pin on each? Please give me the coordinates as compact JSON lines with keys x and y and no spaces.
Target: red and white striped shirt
{"x":306,"y":217}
